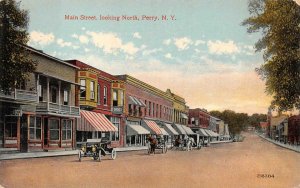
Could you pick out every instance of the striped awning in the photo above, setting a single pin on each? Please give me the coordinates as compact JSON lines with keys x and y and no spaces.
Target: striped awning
{"x":164,"y":132}
{"x":154,"y":128}
{"x":136,"y":101}
{"x":202,"y":132}
{"x":179,"y":129}
{"x":170,"y":129}
{"x":188,"y":130}
{"x":92,"y":121}
{"x":136,"y":130}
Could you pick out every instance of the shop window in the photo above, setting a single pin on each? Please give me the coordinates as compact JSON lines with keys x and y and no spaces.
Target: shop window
{"x":11,"y":126}
{"x":54,"y":129}
{"x":35,"y":128}
{"x":82,"y":88}
{"x":116,"y":122}
{"x":66,"y":129}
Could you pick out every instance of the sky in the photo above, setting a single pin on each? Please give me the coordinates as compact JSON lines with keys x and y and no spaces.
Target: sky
{"x":200,"y":51}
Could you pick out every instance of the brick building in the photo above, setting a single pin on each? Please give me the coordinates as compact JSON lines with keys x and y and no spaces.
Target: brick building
{"x":101,"y":93}
{"x":146,"y":107}
{"x":294,"y":130}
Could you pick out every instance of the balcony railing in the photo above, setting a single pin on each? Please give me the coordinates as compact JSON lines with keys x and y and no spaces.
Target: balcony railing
{"x":20,"y":95}
{"x":58,"y":109}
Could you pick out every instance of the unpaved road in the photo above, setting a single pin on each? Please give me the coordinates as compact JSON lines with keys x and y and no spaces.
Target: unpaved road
{"x":224,"y":165}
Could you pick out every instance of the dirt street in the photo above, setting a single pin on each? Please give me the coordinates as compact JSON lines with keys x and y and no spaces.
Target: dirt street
{"x":252,"y":163}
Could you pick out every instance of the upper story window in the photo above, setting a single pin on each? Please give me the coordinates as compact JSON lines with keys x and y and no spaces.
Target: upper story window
{"x":122,"y":98}
{"x":98,"y":93}
{"x":66,"y":97}
{"x":105,"y":95}
{"x":40,"y":92}
{"x":149,"y":108}
{"x":92,"y":90}
{"x":53,"y":94}
{"x":115,"y":98}
{"x":82,"y":88}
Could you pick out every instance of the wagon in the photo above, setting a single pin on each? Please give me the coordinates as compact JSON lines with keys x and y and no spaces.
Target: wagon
{"x":185,"y":144}
{"x":96,"y":148}
{"x":161,"y":145}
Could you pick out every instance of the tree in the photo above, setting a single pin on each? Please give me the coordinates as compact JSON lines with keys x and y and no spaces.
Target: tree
{"x":279,"y":22}
{"x":15,"y":64}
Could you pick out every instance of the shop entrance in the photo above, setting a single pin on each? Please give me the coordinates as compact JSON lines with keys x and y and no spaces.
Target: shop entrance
{"x":24,"y":134}
{"x":46,"y":132}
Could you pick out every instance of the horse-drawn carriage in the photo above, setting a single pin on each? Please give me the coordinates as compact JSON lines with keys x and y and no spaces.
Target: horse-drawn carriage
{"x":157,"y":143}
{"x":187,"y":144}
{"x":96,"y":148}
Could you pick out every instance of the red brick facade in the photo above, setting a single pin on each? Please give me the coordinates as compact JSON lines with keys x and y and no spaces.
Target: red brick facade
{"x":198,"y":118}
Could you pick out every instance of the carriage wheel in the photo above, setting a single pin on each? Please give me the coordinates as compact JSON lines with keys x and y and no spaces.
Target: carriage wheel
{"x":113,"y":154}
{"x":99,"y":157}
{"x":79,"y":156}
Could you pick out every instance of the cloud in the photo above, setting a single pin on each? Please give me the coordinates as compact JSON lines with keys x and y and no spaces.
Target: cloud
{"x":41,"y":38}
{"x":152,"y":51}
{"x":198,"y":42}
{"x":219,"y":47}
{"x":168,"y":56}
{"x":129,"y":48}
{"x":62,"y":43}
{"x":182,"y":43}
{"x":111,"y":43}
{"x":167,"y":42}
{"x":137,"y":35}
{"x":83,"y":39}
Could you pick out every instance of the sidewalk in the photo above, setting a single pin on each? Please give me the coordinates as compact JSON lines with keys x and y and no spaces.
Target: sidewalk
{"x":18,"y":155}
{"x":220,"y":142}
{"x":290,"y":147}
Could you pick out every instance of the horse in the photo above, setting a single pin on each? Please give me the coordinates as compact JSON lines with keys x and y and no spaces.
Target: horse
{"x":153,"y":143}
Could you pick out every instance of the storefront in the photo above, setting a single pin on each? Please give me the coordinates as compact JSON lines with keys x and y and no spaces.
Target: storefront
{"x":94,"y":125}
{"x":136,"y":135}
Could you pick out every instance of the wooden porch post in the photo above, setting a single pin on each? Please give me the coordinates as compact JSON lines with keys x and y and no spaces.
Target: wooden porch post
{"x":48,"y":98}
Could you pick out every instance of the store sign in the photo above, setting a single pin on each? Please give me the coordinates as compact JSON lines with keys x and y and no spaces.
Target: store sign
{"x":117,"y":109}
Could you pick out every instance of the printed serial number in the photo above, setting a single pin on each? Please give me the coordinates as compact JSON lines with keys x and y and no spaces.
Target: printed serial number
{"x":265,"y":176}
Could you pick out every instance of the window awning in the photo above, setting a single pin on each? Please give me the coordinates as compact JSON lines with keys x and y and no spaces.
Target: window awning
{"x":170,"y":129}
{"x":179,"y":129}
{"x":136,"y":130}
{"x":188,"y":130}
{"x":152,"y":127}
{"x":184,"y":116}
{"x":208,"y":132}
{"x":136,"y":101}
{"x":202,"y":132}
{"x":92,"y":121}
{"x":211,"y":133}
{"x":164,"y":132}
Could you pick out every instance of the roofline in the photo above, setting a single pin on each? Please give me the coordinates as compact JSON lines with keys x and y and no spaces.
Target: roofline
{"x":49,"y":56}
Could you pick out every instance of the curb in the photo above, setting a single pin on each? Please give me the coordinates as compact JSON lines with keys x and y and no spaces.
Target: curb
{"x":280,"y":144}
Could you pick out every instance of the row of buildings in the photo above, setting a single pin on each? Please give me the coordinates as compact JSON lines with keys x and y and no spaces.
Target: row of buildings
{"x":282,"y":128}
{"x":64,"y":103}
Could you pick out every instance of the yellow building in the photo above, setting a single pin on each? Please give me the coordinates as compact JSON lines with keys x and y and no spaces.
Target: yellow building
{"x":180,"y":109}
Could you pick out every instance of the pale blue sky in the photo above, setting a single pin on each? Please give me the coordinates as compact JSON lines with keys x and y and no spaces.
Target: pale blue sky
{"x":205,"y":55}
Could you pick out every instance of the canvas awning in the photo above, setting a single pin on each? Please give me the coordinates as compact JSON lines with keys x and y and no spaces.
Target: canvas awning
{"x":188,"y":130}
{"x":92,"y":121}
{"x":164,"y":132}
{"x":184,"y":116}
{"x":136,"y":101}
{"x":179,"y":129}
{"x":170,"y":129}
{"x":211,"y":133}
{"x":152,"y":127}
{"x":202,"y":132}
{"x":136,"y":130}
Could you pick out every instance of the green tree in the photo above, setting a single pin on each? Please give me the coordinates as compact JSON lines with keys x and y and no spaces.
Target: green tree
{"x":279,"y":23}
{"x":15,"y":64}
